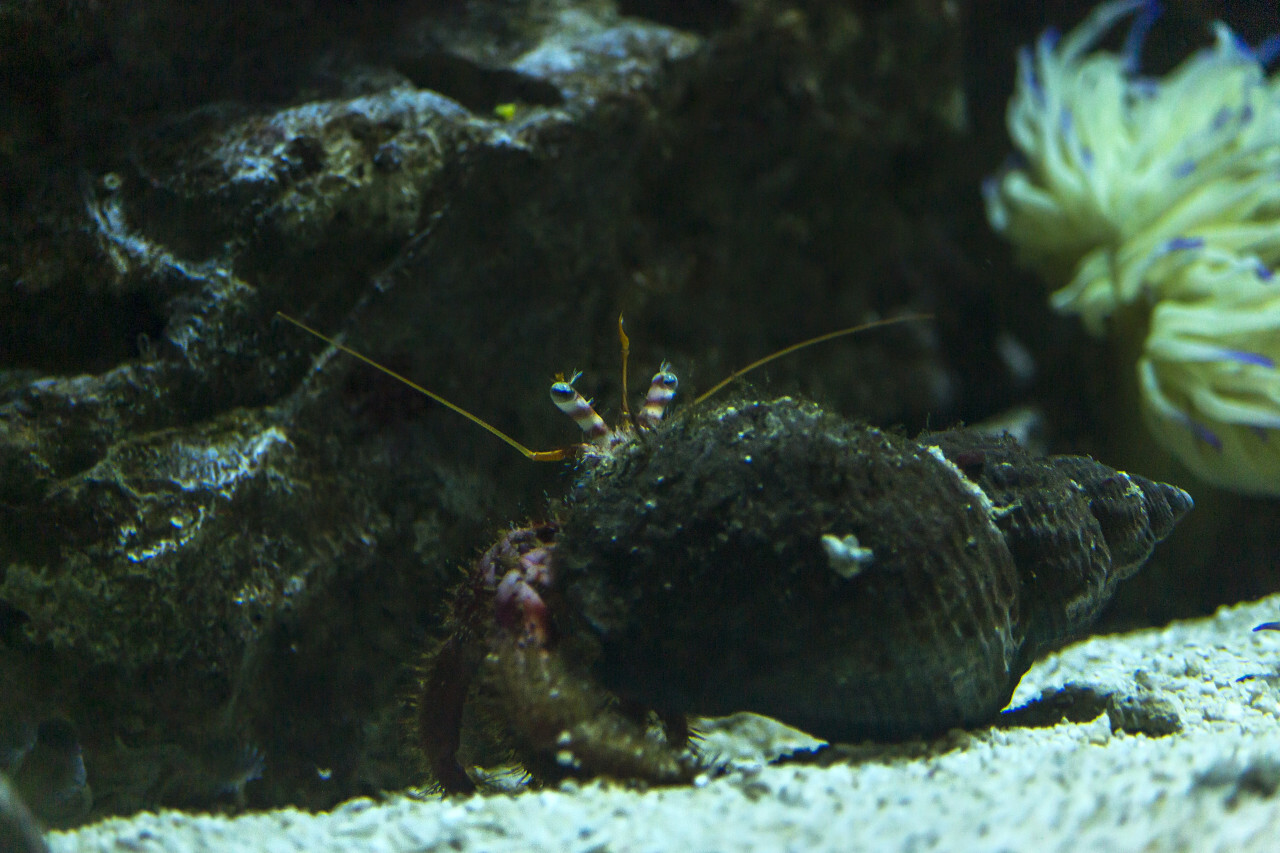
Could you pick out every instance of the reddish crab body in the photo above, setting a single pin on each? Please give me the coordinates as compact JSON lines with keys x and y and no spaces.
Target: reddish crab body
{"x":505,"y":654}
{"x":518,"y":570}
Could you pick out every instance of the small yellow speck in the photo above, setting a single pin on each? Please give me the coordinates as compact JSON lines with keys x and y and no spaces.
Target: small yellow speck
{"x":506,"y":112}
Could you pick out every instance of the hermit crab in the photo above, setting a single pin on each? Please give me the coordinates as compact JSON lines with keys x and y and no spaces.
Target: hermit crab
{"x":769,"y":556}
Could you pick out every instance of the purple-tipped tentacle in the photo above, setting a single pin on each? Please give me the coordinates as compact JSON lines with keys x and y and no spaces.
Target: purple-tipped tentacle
{"x":1137,"y":35}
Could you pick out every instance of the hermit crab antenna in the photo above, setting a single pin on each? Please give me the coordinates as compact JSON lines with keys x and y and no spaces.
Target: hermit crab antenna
{"x":536,"y":455}
{"x":839,"y":333}
{"x":625,"y":343}
{"x":573,"y":404}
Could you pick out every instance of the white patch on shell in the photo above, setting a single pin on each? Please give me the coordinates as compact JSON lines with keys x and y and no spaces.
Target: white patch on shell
{"x":845,"y":554}
{"x":1132,"y":490}
{"x":968,"y":485}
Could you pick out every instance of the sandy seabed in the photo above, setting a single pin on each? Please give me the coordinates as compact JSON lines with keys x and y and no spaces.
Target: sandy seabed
{"x":1209,"y":784}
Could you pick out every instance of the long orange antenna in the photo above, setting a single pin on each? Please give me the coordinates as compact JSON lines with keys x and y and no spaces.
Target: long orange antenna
{"x":862,"y":327}
{"x":664,"y":380}
{"x":626,"y":355}
{"x":536,"y":455}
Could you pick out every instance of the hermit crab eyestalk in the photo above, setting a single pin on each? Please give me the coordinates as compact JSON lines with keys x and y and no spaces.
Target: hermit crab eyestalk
{"x":573,"y":404}
{"x":662,"y":389}
{"x":665,"y":379}
{"x":563,"y":394}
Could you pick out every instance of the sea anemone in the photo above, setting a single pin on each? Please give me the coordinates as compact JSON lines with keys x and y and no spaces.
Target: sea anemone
{"x":1154,"y":206}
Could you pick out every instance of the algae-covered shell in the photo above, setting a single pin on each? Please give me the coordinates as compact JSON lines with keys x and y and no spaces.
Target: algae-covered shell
{"x":772,"y":557}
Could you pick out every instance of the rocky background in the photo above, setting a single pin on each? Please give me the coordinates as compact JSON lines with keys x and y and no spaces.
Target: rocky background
{"x":222,"y":544}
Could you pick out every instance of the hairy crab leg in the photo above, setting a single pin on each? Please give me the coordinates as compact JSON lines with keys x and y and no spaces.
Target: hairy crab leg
{"x":437,"y":723}
{"x":568,"y":728}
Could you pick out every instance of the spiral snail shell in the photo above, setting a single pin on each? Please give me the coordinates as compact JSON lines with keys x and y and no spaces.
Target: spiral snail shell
{"x":855,"y":583}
